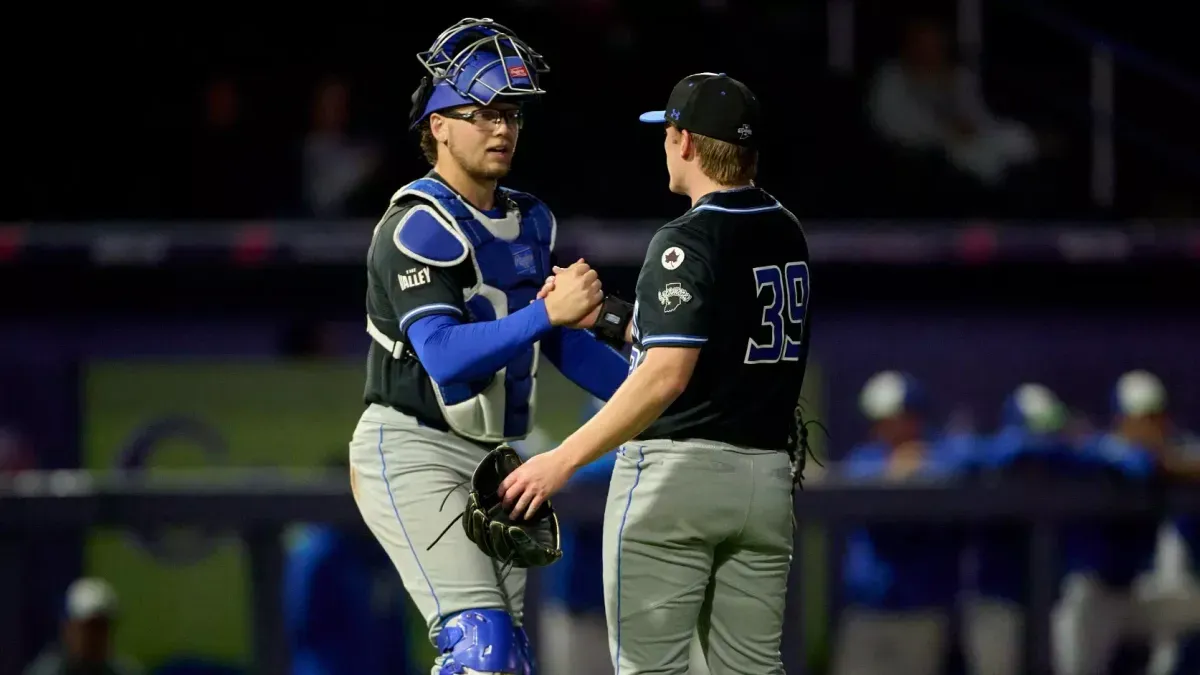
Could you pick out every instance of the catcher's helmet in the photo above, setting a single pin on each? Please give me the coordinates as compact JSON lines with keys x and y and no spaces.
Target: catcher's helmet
{"x":474,"y":62}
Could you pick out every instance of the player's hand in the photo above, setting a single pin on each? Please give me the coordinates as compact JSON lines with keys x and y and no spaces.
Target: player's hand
{"x":588,"y":320}
{"x":532,"y":483}
{"x":576,"y":294}
{"x":547,"y":287}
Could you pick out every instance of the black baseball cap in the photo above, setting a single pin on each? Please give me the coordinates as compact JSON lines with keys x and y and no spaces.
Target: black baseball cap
{"x":713,"y":105}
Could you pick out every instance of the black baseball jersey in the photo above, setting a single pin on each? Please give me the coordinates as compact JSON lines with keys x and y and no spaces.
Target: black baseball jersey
{"x":730,"y":277}
{"x":399,"y":287}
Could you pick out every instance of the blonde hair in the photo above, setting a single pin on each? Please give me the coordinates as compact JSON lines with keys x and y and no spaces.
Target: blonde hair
{"x":726,"y":163}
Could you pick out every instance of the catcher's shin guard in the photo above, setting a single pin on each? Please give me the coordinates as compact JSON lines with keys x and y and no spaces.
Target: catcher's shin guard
{"x":483,"y":642}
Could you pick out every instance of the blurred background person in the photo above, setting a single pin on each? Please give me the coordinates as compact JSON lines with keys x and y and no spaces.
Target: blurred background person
{"x":1104,"y":558}
{"x":337,"y":165}
{"x":925,"y":101}
{"x":85,"y":644}
{"x":346,"y":612}
{"x":1031,"y":445}
{"x":226,"y":178}
{"x":900,"y":580}
{"x":1166,"y":595}
{"x":15,"y":456}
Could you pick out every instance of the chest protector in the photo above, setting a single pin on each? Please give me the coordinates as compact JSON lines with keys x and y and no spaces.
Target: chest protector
{"x":511,"y":258}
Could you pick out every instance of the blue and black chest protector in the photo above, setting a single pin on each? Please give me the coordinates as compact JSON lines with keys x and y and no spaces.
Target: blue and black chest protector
{"x":510,"y":259}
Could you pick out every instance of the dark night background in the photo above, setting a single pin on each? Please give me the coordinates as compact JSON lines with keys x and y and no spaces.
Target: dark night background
{"x":159,"y":202}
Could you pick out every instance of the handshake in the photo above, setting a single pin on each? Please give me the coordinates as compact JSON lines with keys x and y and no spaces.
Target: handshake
{"x":573,"y":295}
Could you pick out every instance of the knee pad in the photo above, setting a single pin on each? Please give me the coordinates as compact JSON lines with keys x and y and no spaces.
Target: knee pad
{"x":522,"y":640}
{"x":483,"y":642}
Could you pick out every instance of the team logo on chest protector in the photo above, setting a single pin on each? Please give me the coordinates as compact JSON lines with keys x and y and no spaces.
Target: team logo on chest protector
{"x":523,"y":260}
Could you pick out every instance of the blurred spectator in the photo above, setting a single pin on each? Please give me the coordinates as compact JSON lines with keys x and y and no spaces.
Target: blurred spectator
{"x":1140,"y":411}
{"x":1031,"y":444}
{"x":336,"y":166}
{"x":86,"y":640}
{"x":1103,"y":560}
{"x":15,"y":457}
{"x":344,"y":608}
{"x":1141,"y":415}
{"x":900,"y":580}
{"x":924,"y":101}
{"x":227,"y":180}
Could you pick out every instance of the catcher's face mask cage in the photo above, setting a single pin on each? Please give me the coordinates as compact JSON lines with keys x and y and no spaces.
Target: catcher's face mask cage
{"x":476,"y":61}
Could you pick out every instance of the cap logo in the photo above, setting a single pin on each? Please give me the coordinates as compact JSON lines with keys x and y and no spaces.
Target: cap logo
{"x":744,"y":132}
{"x":517,"y":71}
{"x":674,"y":113}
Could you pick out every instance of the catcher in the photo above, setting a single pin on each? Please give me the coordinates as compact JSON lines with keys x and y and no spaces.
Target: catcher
{"x":453,"y":272}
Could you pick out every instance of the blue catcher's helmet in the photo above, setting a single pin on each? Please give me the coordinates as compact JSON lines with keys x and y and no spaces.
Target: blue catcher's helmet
{"x":474,"y":62}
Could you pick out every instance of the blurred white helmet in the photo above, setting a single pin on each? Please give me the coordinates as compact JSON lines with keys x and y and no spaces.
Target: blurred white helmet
{"x":1138,"y":393}
{"x":90,"y":598}
{"x":1035,"y":407}
{"x":890,"y":393}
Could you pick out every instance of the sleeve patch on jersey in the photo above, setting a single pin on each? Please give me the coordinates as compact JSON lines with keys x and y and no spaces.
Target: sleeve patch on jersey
{"x":673,"y":296}
{"x":672,"y":258}
{"x":415,"y":277}
{"x":425,"y":236}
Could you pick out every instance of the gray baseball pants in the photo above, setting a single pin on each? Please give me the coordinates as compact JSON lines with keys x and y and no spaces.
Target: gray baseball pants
{"x":697,"y":534}
{"x":401,"y":472}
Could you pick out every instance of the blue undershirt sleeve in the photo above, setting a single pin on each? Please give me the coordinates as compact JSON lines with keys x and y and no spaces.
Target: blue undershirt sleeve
{"x":454,"y":352}
{"x":597,"y":368}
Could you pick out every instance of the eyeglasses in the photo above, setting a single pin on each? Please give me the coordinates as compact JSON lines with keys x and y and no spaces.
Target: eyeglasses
{"x":488,"y":119}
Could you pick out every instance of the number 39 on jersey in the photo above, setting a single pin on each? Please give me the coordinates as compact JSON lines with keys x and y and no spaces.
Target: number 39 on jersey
{"x":784,"y":295}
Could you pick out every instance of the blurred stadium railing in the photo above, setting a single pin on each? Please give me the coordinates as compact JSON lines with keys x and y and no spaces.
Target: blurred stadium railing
{"x":606,"y":242}
{"x":259,"y":505}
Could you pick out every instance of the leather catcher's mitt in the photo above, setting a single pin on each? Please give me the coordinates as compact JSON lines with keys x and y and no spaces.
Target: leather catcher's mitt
{"x":519,"y":543}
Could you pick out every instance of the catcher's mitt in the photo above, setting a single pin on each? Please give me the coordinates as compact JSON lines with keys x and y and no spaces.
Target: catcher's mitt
{"x":521,"y":543}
